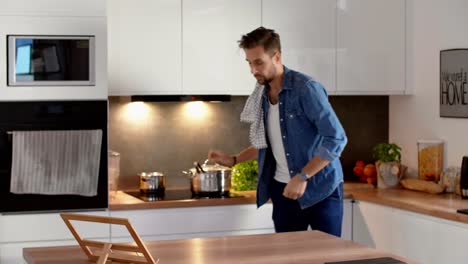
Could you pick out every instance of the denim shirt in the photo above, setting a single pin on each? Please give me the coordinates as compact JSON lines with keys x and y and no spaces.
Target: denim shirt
{"x":309,"y":127}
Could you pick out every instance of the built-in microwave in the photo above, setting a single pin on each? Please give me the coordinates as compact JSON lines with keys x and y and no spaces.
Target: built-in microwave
{"x":38,"y":60}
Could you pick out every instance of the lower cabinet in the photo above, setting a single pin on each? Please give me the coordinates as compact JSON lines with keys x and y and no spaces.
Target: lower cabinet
{"x":181,"y":223}
{"x":347,"y":228}
{"x":422,"y":238}
{"x":372,"y":225}
{"x":42,"y":230}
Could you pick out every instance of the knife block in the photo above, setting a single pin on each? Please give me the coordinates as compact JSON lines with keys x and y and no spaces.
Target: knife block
{"x":119,"y":252}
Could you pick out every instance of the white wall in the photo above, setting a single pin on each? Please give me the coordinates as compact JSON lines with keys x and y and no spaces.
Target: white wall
{"x":432,"y":25}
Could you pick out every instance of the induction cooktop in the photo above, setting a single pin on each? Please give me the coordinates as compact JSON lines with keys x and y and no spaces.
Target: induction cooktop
{"x":180,"y":194}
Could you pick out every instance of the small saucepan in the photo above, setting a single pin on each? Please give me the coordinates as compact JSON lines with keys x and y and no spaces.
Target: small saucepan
{"x":152,"y":182}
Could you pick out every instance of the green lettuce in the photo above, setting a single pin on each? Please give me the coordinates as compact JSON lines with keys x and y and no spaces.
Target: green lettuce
{"x":244,"y":176}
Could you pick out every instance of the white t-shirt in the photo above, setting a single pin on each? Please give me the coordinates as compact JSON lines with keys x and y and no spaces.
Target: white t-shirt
{"x":276,"y":142}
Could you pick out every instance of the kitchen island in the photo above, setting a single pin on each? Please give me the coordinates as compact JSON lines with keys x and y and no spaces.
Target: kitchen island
{"x":307,"y":247}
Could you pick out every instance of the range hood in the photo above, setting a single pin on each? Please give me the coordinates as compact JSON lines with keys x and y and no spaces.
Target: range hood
{"x":181,"y":98}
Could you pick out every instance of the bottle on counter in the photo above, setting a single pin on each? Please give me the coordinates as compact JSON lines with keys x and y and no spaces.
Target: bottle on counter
{"x":113,"y":171}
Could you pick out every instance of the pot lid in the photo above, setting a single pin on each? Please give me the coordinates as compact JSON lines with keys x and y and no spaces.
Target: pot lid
{"x":215,"y":167}
{"x":150,"y":174}
{"x":211,"y":167}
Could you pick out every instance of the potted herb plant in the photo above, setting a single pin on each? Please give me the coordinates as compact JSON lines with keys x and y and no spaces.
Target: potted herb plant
{"x":388,"y":165}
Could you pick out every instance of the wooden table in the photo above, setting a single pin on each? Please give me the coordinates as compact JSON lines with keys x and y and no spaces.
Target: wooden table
{"x":307,"y":247}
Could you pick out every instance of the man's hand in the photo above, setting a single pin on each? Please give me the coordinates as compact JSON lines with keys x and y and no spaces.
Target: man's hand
{"x":295,"y":188}
{"x":220,"y":157}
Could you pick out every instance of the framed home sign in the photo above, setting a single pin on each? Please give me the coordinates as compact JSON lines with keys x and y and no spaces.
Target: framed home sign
{"x":453,"y":83}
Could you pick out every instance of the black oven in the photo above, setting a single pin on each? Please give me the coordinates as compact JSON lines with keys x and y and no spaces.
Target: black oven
{"x":50,"y":115}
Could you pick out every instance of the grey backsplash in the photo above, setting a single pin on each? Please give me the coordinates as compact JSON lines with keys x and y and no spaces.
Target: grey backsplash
{"x":164,"y":137}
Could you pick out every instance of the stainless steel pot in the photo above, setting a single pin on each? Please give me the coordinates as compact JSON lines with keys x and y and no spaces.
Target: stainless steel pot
{"x":152,"y":182}
{"x":210,"y":179}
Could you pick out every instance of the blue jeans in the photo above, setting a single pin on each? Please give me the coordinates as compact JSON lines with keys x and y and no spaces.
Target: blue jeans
{"x":325,"y":216}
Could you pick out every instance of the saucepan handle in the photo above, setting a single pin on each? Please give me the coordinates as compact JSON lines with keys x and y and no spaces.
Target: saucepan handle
{"x":198,"y":167}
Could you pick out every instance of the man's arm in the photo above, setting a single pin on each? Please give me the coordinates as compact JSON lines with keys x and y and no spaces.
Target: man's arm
{"x":222,"y":158}
{"x":319,"y":111}
{"x":296,"y":187}
{"x":249,"y":153}
{"x":315,"y":165}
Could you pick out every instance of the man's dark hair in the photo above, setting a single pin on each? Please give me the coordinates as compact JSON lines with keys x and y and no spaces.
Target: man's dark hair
{"x":268,"y":38}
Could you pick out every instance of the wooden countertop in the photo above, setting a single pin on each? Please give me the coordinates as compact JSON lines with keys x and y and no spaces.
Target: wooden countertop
{"x":439,"y":205}
{"x":123,"y":201}
{"x":306,"y":247}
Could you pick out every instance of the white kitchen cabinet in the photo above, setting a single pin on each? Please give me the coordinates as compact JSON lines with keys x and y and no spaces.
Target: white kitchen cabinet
{"x":212,"y":61}
{"x":179,"y":223}
{"x":452,"y":237}
{"x":54,"y":8}
{"x":429,"y":239}
{"x":415,"y":237}
{"x":190,"y":46}
{"x":307,"y":29}
{"x":145,"y":39}
{"x":182,"y":223}
{"x":372,"y":225}
{"x":347,"y":227}
{"x":422,"y":238}
{"x":370,"y":47}
{"x":39,"y":230}
{"x":55,"y":25}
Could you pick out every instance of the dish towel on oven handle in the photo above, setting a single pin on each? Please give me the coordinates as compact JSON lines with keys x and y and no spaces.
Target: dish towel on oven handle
{"x":55,"y":162}
{"x":253,"y":114}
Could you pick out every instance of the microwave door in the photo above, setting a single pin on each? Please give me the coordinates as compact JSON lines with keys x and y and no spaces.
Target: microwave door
{"x":51,"y":60}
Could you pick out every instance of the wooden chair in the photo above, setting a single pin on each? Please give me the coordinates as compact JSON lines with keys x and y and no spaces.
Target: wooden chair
{"x":118,"y":252}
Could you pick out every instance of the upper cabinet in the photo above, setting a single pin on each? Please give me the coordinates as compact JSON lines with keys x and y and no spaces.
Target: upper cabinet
{"x":191,"y":46}
{"x":64,"y":8}
{"x":308,"y":39}
{"x":350,"y":46}
{"x":212,"y":61}
{"x":371,"y":47}
{"x":145,"y":52}
{"x":48,"y":68}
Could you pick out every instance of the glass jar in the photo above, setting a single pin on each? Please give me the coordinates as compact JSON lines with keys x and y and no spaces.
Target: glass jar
{"x":430,"y":158}
{"x":113,"y":171}
{"x":450,"y":178}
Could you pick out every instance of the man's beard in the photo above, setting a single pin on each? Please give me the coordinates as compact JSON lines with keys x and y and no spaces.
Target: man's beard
{"x":260,"y":79}
{"x":263,"y":80}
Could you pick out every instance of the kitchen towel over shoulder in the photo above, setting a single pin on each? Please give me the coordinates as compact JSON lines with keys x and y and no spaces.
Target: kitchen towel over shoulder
{"x":253,"y":114}
{"x":56,"y":162}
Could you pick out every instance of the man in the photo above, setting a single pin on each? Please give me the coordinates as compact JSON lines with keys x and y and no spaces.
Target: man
{"x":297,"y":139}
